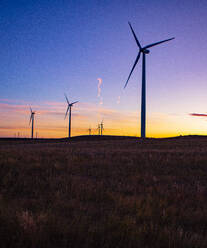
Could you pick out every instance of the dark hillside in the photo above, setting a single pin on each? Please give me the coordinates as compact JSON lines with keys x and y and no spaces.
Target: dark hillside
{"x":104,"y":191}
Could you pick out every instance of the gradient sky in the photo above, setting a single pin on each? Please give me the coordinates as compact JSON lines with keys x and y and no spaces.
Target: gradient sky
{"x":52,"y":47}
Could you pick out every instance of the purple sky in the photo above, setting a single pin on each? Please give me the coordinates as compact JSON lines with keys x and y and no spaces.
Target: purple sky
{"x":49,"y":48}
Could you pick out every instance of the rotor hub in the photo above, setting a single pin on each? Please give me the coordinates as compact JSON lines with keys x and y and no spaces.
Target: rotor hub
{"x":146,"y":51}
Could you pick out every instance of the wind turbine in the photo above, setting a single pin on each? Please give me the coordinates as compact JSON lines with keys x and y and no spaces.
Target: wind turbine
{"x":143,"y":50}
{"x":32,"y":120}
{"x":69,"y":109}
{"x":101,"y":127}
{"x":89,"y":130}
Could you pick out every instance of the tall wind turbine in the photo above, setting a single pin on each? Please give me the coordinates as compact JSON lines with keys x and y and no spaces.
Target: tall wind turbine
{"x":143,"y":50}
{"x":32,"y":120}
{"x":69,"y":110}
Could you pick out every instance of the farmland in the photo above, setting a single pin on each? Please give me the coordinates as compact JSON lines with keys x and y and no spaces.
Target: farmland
{"x":104,"y":192}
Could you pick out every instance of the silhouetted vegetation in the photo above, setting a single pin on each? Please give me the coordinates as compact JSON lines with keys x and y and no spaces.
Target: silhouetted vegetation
{"x":104,"y":193}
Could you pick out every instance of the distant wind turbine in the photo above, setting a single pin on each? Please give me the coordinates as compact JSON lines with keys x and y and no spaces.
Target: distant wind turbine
{"x":32,"y":120}
{"x":89,"y":130}
{"x":69,"y":110}
{"x":144,"y":51}
{"x":101,"y":127}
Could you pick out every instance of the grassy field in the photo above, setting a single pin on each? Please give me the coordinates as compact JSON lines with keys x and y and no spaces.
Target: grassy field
{"x":109,"y":192}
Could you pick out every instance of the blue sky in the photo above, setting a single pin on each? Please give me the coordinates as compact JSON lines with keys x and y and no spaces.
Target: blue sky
{"x":51,"y":47}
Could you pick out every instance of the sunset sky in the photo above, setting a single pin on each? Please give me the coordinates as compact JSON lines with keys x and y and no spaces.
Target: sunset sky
{"x":86,"y":50}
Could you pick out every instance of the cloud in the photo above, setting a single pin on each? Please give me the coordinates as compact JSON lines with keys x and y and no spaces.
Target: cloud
{"x":12,"y":101}
{"x":5,"y":107}
{"x":99,"y":86}
{"x":54,"y":113}
{"x":49,"y":120}
{"x":100,"y":81}
{"x":6,"y":127}
{"x":199,"y":115}
{"x":56,"y":104}
{"x":101,"y":101}
{"x":118,"y":100}
{"x":58,"y":109}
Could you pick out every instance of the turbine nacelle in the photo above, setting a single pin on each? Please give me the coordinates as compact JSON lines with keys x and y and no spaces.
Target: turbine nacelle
{"x":31,"y":115}
{"x":69,"y":105}
{"x":145,"y":51}
{"x":32,"y":112}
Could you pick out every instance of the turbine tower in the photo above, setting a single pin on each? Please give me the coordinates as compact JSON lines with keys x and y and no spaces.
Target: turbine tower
{"x":101,"y":128}
{"x":143,"y":50}
{"x":32,"y":120}
{"x":69,"y":115}
{"x":89,"y":130}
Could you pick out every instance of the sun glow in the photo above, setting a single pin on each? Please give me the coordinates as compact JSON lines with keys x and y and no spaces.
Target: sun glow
{"x":49,"y":121}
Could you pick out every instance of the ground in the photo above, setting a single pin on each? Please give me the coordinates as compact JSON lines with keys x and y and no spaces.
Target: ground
{"x":104,"y":192}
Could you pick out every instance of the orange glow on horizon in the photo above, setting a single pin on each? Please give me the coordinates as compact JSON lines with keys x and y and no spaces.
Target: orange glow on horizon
{"x":50,"y":123}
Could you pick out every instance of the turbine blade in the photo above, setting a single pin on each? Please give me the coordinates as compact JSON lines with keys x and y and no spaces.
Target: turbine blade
{"x":30,"y":109}
{"x":135,"y":37}
{"x":67,"y":99}
{"x":138,"y":56}
{"x":74,"y":102}
{"x":157,"y":43}
{"x":67,"y":111}
{"x":30,"y":119}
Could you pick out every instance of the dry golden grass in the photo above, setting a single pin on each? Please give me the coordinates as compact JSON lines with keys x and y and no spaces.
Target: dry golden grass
{"x":104,"y":193}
